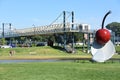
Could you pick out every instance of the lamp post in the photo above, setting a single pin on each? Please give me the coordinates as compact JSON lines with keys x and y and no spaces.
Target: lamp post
{"x":34,"y":33}
{"x":34,"y":28}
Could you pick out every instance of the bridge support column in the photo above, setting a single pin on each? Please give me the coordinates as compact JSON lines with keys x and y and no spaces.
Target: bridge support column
{"x":73,"y":32}
{"x":64,"y":17}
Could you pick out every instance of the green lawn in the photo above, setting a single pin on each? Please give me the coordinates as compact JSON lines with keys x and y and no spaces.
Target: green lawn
{"x":59,"y":71}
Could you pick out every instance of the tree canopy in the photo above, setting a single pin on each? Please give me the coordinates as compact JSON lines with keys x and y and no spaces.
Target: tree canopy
{"x":115,"y":27}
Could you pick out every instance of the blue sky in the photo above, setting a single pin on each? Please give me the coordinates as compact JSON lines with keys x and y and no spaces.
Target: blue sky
{"x":25,"y":13}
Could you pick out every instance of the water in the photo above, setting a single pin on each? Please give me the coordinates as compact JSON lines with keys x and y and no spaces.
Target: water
{"x":19,"y":61}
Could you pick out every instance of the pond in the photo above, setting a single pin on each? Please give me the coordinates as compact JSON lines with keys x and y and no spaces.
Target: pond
{"x":19,"y":61}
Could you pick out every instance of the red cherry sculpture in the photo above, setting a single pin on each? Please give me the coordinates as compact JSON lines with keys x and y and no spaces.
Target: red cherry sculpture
{"x":103,"y":35}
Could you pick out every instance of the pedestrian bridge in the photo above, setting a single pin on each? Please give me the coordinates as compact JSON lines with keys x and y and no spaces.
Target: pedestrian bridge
{"x":48,"y":29}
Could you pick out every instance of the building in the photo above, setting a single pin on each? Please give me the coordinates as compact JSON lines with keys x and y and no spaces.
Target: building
{"x":85,"y":27}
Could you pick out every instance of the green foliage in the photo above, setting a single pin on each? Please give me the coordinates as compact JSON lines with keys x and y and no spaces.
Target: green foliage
{"x":78,"y":37}
{"x":115,"y":27}
{"x":52,"y":38}
{"x":2,"y":41}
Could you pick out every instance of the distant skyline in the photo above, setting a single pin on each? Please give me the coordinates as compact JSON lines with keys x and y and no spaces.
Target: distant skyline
{"x":25,"y":13}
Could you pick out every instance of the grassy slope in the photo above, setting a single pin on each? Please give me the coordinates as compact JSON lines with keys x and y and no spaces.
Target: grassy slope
{"x":35,"y":50}
{"x":42,"y":52}
{"x":60,"y":71}
{"x":39,"y":52}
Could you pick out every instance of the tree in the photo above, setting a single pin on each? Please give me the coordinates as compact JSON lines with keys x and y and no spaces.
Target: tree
{"x":2,"y":41}
{"x":115,"y":27}
{"x":78,"y":37}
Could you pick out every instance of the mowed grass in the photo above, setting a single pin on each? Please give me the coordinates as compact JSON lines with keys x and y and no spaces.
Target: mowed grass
{"x":59,"y":71}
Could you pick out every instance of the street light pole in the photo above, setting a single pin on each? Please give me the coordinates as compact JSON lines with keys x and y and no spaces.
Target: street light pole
{"x":34,"y":28}
{"x":34,"y":33}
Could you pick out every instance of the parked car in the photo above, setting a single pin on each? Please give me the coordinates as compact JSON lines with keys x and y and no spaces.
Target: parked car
{"x":42,"y":44}
{"x":117,"y":43}
{"x":5,"y":46}
{"x":12,"y":45}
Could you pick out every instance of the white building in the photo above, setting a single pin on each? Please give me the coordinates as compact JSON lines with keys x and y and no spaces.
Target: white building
{"x":84,"y":27}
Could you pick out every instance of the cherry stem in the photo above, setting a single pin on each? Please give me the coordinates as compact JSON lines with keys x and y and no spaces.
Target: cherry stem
{"x":105,"y":18}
